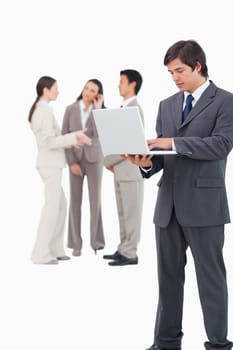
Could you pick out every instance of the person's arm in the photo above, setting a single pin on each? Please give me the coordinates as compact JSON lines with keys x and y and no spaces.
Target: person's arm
{"x":45,"y":123}
{"x":218,"y":144}
{"x":213,"y":147}
{"x":156,"y":166}
{"x":160,"y":142}
{"x":144,"y":162}
{"x":112,"y":160}
{"x":49,"y":133}
{"x":148,"y":164}
{"x":70,"y":155}
{"x":156,"y":161}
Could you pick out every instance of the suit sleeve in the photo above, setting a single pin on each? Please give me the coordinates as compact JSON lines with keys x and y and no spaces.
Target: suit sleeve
{"x":157,"y":160}
{"x":69,"y":153}
{"x":49,"y":133}
{"x":142,"y":115}
{"x":215,"y":146}
{"x":112,"y":160}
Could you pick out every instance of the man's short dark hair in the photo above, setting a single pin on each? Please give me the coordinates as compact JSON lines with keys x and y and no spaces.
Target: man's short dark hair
{"x":189,"y":52}
{"x":133,"y":75}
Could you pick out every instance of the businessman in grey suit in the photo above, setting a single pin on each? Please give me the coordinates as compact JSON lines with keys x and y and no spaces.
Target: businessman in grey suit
{"x":191,"y":208}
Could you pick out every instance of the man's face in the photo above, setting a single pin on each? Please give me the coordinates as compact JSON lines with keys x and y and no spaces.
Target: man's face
{"x":184,"y":77}
{"x":124,"y":86}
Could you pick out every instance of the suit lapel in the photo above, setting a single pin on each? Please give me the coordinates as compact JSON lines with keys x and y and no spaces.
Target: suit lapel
{"x":89,"y":121}
{"x":177,"y":108}
{"x":78,"y":114}
{"x":203,"y":102}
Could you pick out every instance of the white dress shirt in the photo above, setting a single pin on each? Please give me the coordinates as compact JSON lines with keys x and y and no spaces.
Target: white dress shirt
{"x":85,"y":113}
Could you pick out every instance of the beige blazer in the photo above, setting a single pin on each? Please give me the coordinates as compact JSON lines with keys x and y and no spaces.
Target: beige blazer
{"x":71,"y":122}
{"x":49,"y":140}
{"x":123,"y":169}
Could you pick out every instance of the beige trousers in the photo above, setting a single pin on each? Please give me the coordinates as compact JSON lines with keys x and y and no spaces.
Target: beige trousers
{"x":49,"y":242}
{"x":129,"y":198}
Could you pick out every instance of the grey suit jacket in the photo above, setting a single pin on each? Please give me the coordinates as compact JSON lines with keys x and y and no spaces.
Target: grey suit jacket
{"x":72,"y":122}
{"x":193,"y":182}
{"x":124,"y":170}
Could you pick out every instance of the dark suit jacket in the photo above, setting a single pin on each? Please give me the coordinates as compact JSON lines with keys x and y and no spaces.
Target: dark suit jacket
{"x":193,"y":182}
{"x":72,"y":122}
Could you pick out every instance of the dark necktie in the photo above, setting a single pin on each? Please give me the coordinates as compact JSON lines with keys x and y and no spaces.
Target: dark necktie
{"x":188,"y":106}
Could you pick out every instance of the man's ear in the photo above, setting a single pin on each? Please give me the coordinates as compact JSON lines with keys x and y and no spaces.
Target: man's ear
{"x":133,"y":84}
{"x":198,"y":66}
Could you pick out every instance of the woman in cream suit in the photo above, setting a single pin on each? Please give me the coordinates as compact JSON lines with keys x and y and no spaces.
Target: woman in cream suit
{"x":48,"y":248}
{"x":87,"y":161}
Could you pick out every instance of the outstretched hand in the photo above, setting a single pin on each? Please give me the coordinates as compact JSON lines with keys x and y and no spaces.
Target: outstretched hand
{"x":82,"y":138}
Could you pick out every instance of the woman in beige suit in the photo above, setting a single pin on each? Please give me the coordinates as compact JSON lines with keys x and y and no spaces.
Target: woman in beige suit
{"x":86,"y":161}
{"x":48,"y":248}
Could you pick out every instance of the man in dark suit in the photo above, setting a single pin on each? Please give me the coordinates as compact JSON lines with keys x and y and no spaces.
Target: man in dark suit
{"x":191,"y":207}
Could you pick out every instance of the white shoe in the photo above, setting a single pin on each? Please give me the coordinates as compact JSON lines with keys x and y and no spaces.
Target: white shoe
{"x":51,"y":262}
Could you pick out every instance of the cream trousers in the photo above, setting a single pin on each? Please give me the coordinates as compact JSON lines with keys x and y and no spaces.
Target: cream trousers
{"x":49,"y":242}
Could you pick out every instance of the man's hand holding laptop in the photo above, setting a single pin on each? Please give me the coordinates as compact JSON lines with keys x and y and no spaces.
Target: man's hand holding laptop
{"x":144,"y":161}
{"x":160,"y":143}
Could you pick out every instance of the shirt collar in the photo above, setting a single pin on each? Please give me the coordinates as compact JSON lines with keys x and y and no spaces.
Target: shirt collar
{"x":198,"y":92}
{"x":82,"y":106}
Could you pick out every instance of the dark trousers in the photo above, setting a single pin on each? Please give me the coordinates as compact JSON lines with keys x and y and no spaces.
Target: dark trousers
{"x":206,"y":244}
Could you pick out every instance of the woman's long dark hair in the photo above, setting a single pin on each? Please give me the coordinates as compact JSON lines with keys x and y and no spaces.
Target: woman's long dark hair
{"x":43,"y":82}
{"x":100,"y":87}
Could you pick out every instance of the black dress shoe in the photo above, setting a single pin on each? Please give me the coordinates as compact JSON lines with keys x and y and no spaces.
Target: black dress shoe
{"x":155,"y":347}
{"x":112,"y":256}
{"x":123,"y":260}
{"x":63,"y":258}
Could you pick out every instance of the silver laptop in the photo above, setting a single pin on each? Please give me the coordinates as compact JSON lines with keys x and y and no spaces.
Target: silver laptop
{"x":121,"y":131}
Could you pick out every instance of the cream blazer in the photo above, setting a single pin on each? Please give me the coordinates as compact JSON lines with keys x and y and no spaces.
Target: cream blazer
{"x":50,"y":142}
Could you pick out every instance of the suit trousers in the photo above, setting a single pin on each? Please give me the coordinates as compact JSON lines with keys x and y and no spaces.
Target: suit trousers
{"x":206,"y":244}
{"x":93,"y":172}
{"x":49,"y":242}
{"x":129,"y":198}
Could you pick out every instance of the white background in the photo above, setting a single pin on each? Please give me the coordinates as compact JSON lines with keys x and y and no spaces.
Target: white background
{"x":84,"y":304}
